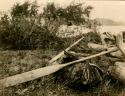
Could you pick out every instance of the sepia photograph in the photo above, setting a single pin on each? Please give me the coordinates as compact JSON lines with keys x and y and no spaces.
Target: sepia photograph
{"x":62,"y":48}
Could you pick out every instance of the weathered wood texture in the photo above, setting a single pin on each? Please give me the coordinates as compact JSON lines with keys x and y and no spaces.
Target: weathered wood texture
{"x":97,"y":46}
{"x":118,"y":70}
{"x":117,"y":54}
{"x":120,"y":43}
{"x":34,"y":74}
{"x":27,"y":76}
{"x":67,"y":49}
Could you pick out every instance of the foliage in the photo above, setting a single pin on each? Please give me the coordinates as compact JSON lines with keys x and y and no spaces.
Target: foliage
{"x":25,"y":34}
{"x":72,"y":14}
{"x":25,"y":29}
{"x":25,"y":9}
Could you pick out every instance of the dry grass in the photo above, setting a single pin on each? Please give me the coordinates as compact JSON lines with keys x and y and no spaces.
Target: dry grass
{"x":14,"y":62}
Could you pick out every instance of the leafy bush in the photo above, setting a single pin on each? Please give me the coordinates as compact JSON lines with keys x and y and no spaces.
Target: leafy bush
{"x":24,"y":28}
{"x":22,"y":34}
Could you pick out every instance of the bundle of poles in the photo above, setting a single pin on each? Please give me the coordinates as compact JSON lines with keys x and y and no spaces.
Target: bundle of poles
{"x":37,"y":73}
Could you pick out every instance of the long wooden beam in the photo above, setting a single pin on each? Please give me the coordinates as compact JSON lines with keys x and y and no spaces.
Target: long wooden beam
{"x":34,"y":74}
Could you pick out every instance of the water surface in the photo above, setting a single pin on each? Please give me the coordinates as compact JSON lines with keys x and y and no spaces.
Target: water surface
{"x":111,"y":29}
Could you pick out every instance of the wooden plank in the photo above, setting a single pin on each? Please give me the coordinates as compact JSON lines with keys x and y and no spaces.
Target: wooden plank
{"x":34,"y":74}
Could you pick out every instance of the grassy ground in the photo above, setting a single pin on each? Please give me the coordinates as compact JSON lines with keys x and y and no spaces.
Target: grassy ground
{"x":15,"y":62}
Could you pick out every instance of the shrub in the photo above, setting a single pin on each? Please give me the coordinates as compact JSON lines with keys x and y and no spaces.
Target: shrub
{"x":23,"y":28}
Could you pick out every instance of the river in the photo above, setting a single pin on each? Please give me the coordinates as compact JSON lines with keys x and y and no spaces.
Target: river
{"x":111,"y":29}
{"x":70,"y":31}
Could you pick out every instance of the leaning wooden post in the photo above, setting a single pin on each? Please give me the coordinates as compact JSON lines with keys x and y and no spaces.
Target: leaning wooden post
{"x":62,"y":53}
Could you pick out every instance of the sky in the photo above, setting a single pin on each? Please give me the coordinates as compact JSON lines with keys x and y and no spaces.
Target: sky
{"x":114,"y":10}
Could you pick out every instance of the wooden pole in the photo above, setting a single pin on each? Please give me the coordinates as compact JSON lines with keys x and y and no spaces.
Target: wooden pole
{"x":67,"y":49}
{"x":34,"y":74}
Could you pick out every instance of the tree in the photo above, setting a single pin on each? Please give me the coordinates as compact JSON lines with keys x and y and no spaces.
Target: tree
{"x":26,"y":9}
{"x":72,"y":14}
{"x":23,"y":29}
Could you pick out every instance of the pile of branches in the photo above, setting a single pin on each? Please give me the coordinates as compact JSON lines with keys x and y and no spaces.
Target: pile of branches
{"x":95,"y":61}
{"x":89,"y":73}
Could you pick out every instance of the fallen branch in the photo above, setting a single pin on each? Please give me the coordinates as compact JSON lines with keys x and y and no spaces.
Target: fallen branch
{"x":34,"y":74}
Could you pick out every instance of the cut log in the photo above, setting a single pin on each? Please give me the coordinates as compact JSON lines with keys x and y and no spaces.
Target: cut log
{"x":121,"y":46}
{"x":117,"y":54}
{"x":97,"y":46}
{"x":120,"y":43}
{"x":118,"y":71}
{"x":34,"y":74}
{"x":67,"y":49}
